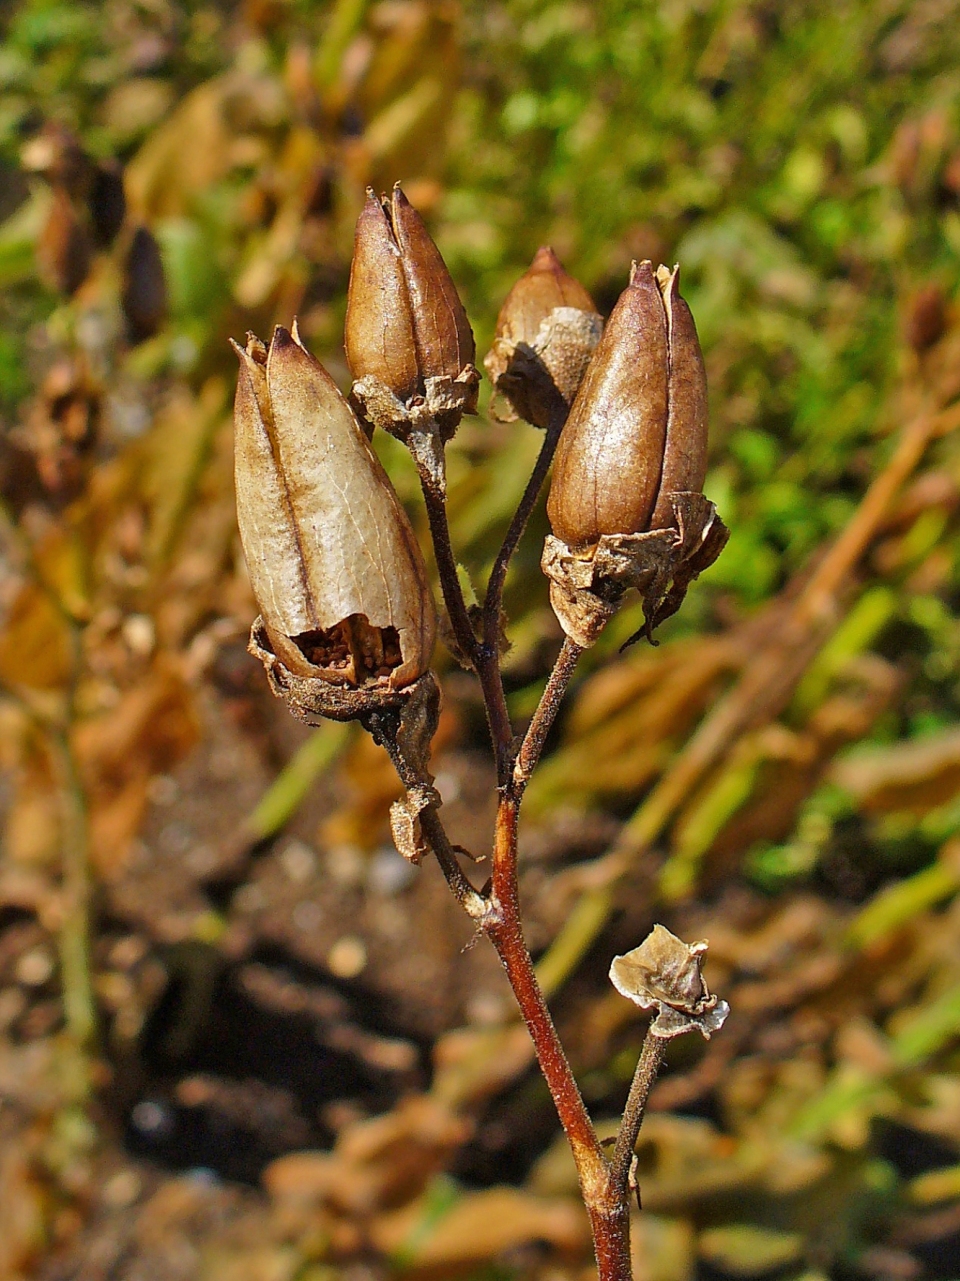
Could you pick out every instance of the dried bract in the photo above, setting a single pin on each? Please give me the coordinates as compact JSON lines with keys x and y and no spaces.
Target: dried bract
{"x":546,"y":333}
{"x":408,"y":342}
{"x":333,"y":561}
{"x":625,"y":503}
{"x":665,"y":974}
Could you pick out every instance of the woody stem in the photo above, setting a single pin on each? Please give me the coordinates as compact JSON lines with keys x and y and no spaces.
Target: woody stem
{"x":482,"y":657}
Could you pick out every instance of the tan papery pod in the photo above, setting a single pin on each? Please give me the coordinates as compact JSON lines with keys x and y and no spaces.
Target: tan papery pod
{"x":328,"y":546}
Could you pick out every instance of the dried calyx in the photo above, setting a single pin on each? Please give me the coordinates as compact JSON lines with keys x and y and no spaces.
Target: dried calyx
{"x":408,"y":342}
{"x":625,"y":504}
{"x":666,"y":974}
{"x":546,"y":332}
{"x":333,"y":561}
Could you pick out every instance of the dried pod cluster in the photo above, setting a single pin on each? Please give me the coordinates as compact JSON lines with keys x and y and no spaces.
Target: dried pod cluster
{"x":625,"y":502}
{"x":334,"y":564}
{"x":546,"y":333}
{"x":333,"y":560}
{"x":347,"y":622}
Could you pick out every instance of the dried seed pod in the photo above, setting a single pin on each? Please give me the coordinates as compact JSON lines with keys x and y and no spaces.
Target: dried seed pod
{"x":408,"y":341}
{"x":333,"y":561}
{"x":665,"y":974}
{"x":405,"y":321}
{"x":546,"y":332}
{"x":378,"y":331}
{"x":542,"y":287}
{"x":625,"y":504}
{"x":144,"y":293}
{"x":608,"y":465}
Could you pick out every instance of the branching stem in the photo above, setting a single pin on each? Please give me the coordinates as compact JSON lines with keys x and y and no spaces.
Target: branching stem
{"x":497,"y":909}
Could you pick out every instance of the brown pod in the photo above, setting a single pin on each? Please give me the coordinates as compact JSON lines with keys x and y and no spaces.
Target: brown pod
{"x":333,"y":561}
{"x":444,"y":338}
{"x":378,"y":330}
{"x":608,"y":463}
{"x":405,"y":321}
{"x":685,"y":453}
{"x":64,"y":250}
{"x":546,"y":333}
{"x":542,"y":287}
{"x":144,"y":293}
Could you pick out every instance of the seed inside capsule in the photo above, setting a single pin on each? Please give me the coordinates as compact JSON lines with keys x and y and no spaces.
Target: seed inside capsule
{"x":352,"y":651}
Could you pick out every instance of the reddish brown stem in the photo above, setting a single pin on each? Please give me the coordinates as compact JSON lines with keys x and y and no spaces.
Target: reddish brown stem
{"x":506,"y":933}
{"x":498,"y":911}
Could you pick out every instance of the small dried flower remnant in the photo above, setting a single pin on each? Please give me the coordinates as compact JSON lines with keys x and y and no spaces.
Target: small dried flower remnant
{"x":665,"y":974}
{"x":408,"y":341}
{"x":546,"y":332}
{"x":625,"y":504}
{"x":334,"y":564}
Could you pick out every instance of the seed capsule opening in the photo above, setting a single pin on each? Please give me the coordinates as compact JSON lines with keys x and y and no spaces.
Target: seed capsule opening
{"x":352,"y":652}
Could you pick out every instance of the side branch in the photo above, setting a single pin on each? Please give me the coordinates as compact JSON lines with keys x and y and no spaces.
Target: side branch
{"x":447,"y":570}
{"x":494,"y":597}
{"x":648,"y":1066}
{"x":546,"y":713}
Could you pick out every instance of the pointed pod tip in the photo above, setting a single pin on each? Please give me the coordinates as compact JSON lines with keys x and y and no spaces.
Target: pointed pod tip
{"x":641,"y":273}
{"x":281,"y":338}
{"x":544,"y":258}
{"x":399,"y":199}
{"x":254,"y":351}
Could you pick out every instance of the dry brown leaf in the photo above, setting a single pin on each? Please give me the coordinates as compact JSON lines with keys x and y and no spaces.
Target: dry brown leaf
{"x":915,"y":775}
{"x":147,"y":733}
{"x":35,"y":648}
